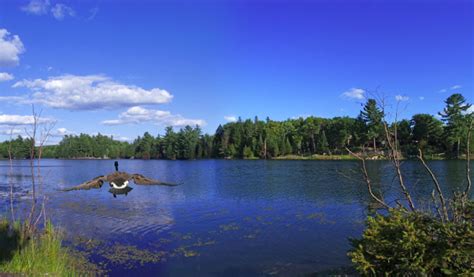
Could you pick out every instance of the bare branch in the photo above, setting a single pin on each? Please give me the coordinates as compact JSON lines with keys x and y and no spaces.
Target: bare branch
{"x":367,"y":179}
{"x":32,"y":135}
{"x":10,"y":159}
{"x":395,"y":158}
{"x":436,"y":183}
{"x":436,"y":206}
{"x":468,"y":166}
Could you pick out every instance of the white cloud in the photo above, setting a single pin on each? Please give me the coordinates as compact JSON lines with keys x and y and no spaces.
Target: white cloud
{"x":421,"y":98}
{"x":304,"y":116}
{"x":5,"y":76}
{"x":10,"y":48}
{"x":90,"y":92}
{"x":401,"y":98}
{"x":36,"y":7}
{"x":14,"y":120}
{"x":354,"y":93}
{"x":455,"y":87}
{"x":12,"y":131}
{"x":42,"y":7}
{"x":230,"y":118}
{"x":470,"y":110}
{"x":122,"y":138}
{"x":59,"y":11}
{"x":136,"y":115}
{"x":61,"y":132}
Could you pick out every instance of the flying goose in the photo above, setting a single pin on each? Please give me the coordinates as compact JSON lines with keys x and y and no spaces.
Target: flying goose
{"x":118,"y":182}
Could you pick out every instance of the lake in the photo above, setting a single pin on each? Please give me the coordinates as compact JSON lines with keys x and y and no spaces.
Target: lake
{"x":229,"y":217}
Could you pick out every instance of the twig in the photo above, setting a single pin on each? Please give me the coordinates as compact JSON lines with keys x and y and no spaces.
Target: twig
{"x":436,"y":206}
{"x":32,"y":157}
{"x":468,"y":166}
{"x":436,"y":183}
{"x":10,"y":159}
{"x":394,"y":157}
{"x":367,"y":179}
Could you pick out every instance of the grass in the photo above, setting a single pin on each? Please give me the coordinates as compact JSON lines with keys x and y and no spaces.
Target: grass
{"x":42,"y":254}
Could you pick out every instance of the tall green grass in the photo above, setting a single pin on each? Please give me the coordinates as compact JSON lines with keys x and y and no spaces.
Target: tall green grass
{"x":41,"y":254}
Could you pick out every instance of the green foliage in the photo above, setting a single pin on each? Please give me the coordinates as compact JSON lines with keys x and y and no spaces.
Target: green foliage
{"x":304,"y":137}
{"x":248,"y":153}
{"x":40,"y":255}
{"x":372,"y":116}
{"x":413,"y":244}
{"x":427,"y":132}
{"x":456,"y":118}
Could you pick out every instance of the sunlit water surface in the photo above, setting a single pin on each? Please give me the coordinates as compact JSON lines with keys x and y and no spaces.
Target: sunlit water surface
{"x":233,"y":218}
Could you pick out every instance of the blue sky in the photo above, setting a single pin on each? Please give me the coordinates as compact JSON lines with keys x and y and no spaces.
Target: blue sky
{"x":122,"y":68}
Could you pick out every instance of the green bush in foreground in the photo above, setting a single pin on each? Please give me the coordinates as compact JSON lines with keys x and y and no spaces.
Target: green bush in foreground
{"x":42,"y":254}
{"x":413,"y":243}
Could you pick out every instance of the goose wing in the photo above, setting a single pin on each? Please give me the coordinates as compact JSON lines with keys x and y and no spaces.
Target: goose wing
{"x":142,"y":180}
{"x":95,"y":183}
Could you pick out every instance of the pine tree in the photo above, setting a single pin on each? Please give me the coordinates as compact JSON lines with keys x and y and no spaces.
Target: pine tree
{"x":454,"y":115}
{"x":372,"y":116}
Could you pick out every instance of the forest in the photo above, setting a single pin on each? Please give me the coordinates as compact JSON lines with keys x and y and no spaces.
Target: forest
{"x":267,"y":139}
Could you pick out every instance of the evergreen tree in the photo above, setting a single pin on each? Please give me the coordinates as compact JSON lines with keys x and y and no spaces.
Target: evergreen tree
{"x":372,"y":116}
{"x":454,"y":115}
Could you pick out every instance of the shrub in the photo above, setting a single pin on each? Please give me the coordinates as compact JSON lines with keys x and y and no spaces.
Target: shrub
{"x":414,"y":243}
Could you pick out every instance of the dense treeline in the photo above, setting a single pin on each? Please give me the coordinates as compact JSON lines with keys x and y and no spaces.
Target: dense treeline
{"x":269,"y":139}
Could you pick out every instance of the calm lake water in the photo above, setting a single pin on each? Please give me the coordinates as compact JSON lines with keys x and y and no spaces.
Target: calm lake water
{"x":233,"y":218}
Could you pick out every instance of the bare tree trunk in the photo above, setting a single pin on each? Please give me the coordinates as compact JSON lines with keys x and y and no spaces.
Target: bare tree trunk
{"x":375,"y":145}
{"x":468,"y":157}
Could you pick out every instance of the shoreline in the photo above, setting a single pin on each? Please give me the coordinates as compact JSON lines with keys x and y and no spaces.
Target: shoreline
{"x":315,"y":157}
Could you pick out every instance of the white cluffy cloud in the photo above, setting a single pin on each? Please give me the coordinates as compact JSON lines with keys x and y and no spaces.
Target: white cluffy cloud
{"x":5,"y":76}
{"x":90,"y":92}
{"x":136,"y":115}
{"x":42,"y":7}
{"x":10,"y":48}
{"x":354,"y":93}
{"x":14,"y":119}
{"x":36,"y":7}
{"x":401,"y":98}
{"x":230,"y":118}
{"x":59,"y":11}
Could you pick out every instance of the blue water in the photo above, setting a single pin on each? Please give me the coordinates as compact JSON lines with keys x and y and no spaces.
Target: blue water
{"x":233,"y":218}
